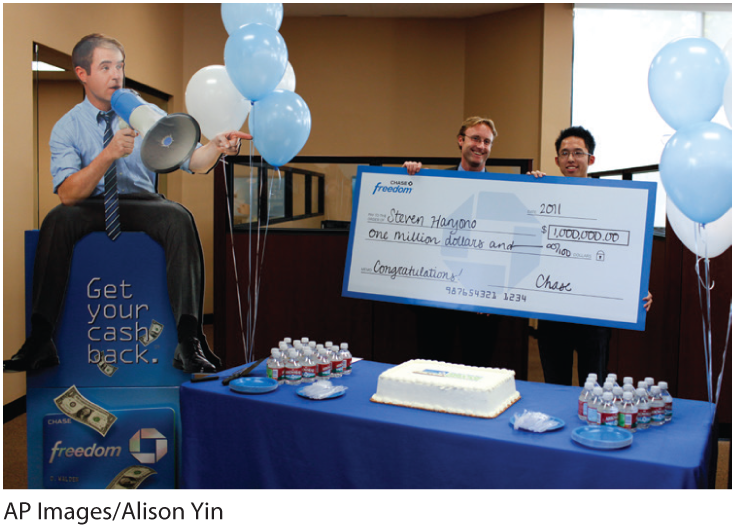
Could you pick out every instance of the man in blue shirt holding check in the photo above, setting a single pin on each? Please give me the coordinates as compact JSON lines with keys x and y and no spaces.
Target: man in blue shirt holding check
{"x":87,"y":144}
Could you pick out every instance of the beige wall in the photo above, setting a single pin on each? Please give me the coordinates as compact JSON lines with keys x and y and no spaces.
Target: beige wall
{"x":393,"y":87}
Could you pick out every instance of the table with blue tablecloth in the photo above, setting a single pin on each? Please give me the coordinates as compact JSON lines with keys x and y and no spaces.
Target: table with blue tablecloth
{"x":281,"y":440}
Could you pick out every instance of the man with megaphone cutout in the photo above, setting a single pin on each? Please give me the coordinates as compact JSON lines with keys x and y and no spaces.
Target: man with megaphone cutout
{"x":88,"y":145}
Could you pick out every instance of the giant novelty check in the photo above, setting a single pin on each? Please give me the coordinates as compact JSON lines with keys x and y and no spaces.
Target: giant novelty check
{"x":564,"y":249}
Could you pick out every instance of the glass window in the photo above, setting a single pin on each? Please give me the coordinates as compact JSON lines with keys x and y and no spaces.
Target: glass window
{"x":613,"y":50}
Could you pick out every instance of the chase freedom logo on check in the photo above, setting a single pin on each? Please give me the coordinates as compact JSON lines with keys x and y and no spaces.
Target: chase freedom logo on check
{"x":398,"y":187}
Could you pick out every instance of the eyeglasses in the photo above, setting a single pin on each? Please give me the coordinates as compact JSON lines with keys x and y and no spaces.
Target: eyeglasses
{"x":576,"y":154}
{"x":477,"y":140}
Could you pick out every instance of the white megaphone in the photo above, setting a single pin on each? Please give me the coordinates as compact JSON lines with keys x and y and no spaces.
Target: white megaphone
{"x":168,"y":140}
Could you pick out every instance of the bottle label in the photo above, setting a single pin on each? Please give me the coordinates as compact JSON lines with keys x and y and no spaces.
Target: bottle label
{"x":627,"y":420}
{"x":337,"y":366}
{"x":644,"y":416}
{"x":592,"y":416}
{"x":608,"y":418}
{"x":324,"y":370}
{"x":582,"y":408}
{"x":275,"y":373}
{"x":309,"y":372}
{"x":348,"y":364}
{"x":293,"y":374}
{"x":658,"y":415}
{"x":669,"y":410}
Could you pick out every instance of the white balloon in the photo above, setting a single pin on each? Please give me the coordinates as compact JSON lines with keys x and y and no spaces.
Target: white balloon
{"x":716,"y":235}
{"x":288,"y":82}
{"x":214,"y":102}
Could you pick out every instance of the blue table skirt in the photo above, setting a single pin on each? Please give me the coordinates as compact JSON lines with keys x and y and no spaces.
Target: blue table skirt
{"x":280,"y":440}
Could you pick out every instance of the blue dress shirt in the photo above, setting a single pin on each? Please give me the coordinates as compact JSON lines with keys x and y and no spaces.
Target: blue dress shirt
{"x":77,"y":138}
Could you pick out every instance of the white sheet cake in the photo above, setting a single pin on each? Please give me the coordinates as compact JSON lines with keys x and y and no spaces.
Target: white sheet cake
{"x":445,"y":387}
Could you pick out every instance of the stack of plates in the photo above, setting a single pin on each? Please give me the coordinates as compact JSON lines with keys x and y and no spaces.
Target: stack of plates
{"x":602,"y":437}
{"x":253,"y":385}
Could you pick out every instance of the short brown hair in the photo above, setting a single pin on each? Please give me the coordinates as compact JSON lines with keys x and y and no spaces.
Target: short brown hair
{"x":84,"y":49}
{"x":477,"y":120}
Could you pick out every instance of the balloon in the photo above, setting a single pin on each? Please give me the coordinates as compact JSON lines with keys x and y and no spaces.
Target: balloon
{"x":727,"y":95}
{"x":256,"y":58}
{"x":234,"y":16}
{"x":686,"y":79}
{"x":717,"y":234}
{"x":289,"y":80}
{"x":727,"y":99}
{"x":214,"y":102}
{"x":280,"y":124}
{"x":696,"y":171}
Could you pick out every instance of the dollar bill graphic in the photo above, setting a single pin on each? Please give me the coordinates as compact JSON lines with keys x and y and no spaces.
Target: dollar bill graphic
{"x":78,"y":408}
{"x":152,"y":334}
{"x":131,"y":477}
{"x":106,"y":368}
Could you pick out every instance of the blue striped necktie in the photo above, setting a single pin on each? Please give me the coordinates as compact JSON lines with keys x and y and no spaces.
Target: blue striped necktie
{"x":112,"y":209}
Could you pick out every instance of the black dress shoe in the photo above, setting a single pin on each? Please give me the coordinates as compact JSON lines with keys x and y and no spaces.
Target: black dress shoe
{"x":33,"y":355}
{"x":208,"y":354}
{"x":189,"y":357}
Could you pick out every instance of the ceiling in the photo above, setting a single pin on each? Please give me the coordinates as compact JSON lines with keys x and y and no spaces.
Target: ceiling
{"x":404,"y":10}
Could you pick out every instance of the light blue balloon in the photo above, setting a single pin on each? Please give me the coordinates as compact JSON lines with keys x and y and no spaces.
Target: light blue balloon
{"x":696,"y":171}
{"x":280,"y":124}
{"x":234,"y":16}
{"x":256,"y":58}
{"x":686,"y":81}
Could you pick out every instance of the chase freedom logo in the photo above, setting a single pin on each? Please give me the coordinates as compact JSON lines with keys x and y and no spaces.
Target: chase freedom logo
{"x":94,"y":451}
{"x":400,"y":187}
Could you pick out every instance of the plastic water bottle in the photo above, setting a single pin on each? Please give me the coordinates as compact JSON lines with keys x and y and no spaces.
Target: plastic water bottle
{"x":644,"y":408}
{"x":593,"y":415}
{"x":613,"y":378}
{"x":668,"y":400}
{"x":323,"y":364}
{"x":274,"y":367}
{"x":308,"y":367}
{"x":628,"y":387}
{"x":628,"y":413}
{"x":584,"y":398}
{"x":608,"y":411}
{"x":293,"y":368}
{"x":344,"y":353}
{"x":593,"y":378}
{"x":658,"y":407}
{"x":288,"y":341}
{"x":607,"y":387}
{"x":627,"y":380}
{"x":649,"y":384}
{"x":618,"y":396}
{"x":337,"y":362}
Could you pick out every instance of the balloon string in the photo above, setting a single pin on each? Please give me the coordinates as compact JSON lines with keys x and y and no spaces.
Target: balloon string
{"x":706,"y":313}
{"x":724,"y":356}
{"x":232,"y":246}
{"x":259,"y":263}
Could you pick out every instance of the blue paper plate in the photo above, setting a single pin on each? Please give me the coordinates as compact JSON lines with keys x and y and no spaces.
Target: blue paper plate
{"x":253,"y":385}
{"x":602,"y":437}
{"x":559,"y":425}
{"x":337,"y":394}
